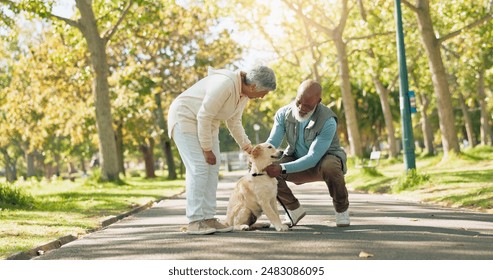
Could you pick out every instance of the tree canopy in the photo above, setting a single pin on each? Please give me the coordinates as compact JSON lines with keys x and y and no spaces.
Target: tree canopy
{"x":97,"y":83}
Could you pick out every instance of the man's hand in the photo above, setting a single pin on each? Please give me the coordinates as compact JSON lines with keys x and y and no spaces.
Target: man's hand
{"x":210,"y":157}
{"x":273,"y":170}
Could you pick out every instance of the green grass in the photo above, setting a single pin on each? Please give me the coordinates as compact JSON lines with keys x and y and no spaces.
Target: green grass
{"x":464,"y":180}
{"x":60,"y":208}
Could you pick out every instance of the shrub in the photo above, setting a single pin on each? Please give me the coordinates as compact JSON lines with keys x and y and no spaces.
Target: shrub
{"x":371,"y":171}
{"x":479,"y":152}
{"x":96,"y":179}
{"x":13,"y":197}
{"x":410,"y":181}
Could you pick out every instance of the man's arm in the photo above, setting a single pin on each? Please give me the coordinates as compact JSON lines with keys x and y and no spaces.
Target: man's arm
{"x":317,"y":149}
{"x":278,"y":129}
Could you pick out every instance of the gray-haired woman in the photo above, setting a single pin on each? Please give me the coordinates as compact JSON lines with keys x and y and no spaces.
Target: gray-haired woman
{"x":193,"y":122}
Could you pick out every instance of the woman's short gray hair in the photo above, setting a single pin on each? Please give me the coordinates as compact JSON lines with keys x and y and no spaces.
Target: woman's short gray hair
{"x":263,"y":77}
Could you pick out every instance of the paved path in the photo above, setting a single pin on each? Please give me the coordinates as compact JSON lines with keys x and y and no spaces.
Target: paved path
{"x":381,"y":225}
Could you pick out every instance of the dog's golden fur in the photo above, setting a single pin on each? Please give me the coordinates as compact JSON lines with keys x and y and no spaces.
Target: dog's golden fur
{"x":256,"y":193}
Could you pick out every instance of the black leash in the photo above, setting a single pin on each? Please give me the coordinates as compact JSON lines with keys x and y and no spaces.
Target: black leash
{"x":285,"y":209}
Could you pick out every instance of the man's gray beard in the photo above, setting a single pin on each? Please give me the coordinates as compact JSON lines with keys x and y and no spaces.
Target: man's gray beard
{"x":298,"y":117}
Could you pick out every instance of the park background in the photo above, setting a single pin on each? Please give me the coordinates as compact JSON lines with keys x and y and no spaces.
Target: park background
{"x":85,"y":87}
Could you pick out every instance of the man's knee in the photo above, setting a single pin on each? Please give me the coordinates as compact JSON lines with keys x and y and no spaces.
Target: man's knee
{"x":331,"y":166}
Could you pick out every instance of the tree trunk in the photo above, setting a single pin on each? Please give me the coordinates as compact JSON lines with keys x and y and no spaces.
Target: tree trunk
{"x":467,"y":121}
{"x":119,"y":146}
{"x":426,"y":128}
{"x":336,"y":35}
{"x":348,"y":99}
{"x":148,"y":153}
{"x":383,"y":93}
{"x":104,"y":121}
{"x":426,"y":125}
{"x":10,"y":166}
{"x":71,"y":168}
{"x":31,"y":169}
{"x":439,"y":77}
{"x":82,"y":163}
{"x":164,"y":139}
{"x":58,"y":169}
{"x":486,"y":134}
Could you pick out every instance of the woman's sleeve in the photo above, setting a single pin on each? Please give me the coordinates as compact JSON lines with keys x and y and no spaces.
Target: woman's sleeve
{"x":217,"y":94}
{"x":236,"y":128}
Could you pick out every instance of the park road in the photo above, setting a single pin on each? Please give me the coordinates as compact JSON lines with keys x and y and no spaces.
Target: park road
{"x":383,"y":227}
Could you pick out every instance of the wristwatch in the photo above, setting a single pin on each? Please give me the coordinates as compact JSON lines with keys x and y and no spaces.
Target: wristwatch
{"x":283,"y":169}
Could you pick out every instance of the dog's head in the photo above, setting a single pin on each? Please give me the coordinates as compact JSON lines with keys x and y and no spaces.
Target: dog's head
{"x":264,"y":154}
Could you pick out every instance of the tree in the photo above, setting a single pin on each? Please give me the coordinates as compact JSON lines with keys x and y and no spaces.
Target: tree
{"x":380,"y":64}
{"x":336,"y":34}
{"x":156,"y":58}
{"x":432,"y":46}
{"x":89,"y":26}
{"x":46,"y":100}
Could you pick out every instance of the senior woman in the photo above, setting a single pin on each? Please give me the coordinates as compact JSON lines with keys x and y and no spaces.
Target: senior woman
{"x":193,"y":122}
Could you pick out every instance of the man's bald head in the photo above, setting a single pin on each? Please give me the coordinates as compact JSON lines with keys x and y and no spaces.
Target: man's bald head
{"x":310,"y":89}
{"x":309,"y":95}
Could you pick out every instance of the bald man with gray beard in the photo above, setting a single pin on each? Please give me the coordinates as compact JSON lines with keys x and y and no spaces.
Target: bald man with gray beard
{"x":313,"y":152}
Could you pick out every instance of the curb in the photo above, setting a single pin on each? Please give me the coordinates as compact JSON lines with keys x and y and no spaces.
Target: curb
{"x":40,"y":250}
{"x":115,"y":219}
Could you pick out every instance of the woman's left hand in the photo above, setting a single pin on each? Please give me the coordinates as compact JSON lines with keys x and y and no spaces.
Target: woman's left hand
{"x":248,"y":148}
{"x":210,"y":157}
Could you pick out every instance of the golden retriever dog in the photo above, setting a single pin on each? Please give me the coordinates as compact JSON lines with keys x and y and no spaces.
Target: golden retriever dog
{"x":256,"y":193}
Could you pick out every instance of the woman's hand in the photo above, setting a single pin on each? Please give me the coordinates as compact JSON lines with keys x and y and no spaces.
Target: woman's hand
{"x":248,"y":148}
{"x":210,"y":157}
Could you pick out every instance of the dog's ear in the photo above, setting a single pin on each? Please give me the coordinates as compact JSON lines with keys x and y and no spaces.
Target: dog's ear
{"x":257,"y":150}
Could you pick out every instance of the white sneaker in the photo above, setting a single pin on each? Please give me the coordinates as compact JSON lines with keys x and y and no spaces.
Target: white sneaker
{"x":200,"y":227}
{"x":220,"y":227}
{"x":294,"y":216}
{"x":342,"y":219}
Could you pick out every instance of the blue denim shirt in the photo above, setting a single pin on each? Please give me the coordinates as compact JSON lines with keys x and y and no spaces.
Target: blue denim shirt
{"x":307,"y":156}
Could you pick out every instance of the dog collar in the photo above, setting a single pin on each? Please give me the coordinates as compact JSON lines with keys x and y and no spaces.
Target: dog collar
{"x":257,"y":174}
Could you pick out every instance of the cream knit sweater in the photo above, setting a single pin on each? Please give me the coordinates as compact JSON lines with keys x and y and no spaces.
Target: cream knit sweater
{"x":202,"y":107}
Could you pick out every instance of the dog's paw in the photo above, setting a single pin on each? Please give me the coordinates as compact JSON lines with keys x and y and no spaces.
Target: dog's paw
{"x":241,"y":227}
{"x":282,"y":227}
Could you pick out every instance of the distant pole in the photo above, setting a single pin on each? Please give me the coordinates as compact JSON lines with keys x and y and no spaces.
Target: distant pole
{"x":256,"y":127}
{"x":407,"y":128}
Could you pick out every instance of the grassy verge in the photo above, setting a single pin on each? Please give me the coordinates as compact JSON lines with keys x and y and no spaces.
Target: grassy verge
{"x":50,"y":210}
{"x":464,"y":180}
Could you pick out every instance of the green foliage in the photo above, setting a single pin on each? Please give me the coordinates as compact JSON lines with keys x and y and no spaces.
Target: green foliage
{"x":371,"y":171}
{"x":480,"y":152}
{"x":162,"y":47}
{"x":96,"y":179}
{"x":12,"y":197}
{"x":367,"y":179}
{"x":410,"y":181}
